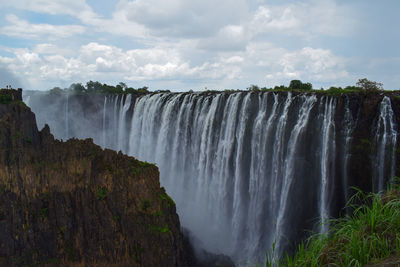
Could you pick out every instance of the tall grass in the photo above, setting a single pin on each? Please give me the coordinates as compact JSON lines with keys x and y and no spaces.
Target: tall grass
{"x":370,"y":234}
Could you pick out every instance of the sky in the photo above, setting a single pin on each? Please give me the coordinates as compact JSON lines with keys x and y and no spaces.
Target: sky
{"x":183,"y":45}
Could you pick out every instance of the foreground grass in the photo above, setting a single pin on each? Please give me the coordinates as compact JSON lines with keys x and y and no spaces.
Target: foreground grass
{"x":370,"y":235}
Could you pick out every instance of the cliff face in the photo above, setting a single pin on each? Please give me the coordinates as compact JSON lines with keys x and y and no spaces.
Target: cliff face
{"x":259,"y":167}
{"x":66,"y":203}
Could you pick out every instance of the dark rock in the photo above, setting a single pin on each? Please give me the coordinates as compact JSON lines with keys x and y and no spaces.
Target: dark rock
{"x":72,"y":203}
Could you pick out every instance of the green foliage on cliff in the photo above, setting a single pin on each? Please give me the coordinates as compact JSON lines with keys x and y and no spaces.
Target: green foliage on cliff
{"x":160,"y":229}
{"x":371,"y":234}
{"x":166,"y":198}
{"x":102,"y":193}
{"x":363,"y":85}
{"x":299,"y":85}
{"x":368,"y":85}
{"x":92,"y":87}
{"x":5,"y":99}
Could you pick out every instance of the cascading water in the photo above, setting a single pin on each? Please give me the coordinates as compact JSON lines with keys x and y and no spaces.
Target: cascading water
{"x":386,"y":139}
{"x":348,"y":125}
{"x":288,"y":173}
{"x":124,"y":106}
{"x":327,"y":158}
{"x":246,"y":169}
{"x":67,"y":118}
{"x":104,"y":122}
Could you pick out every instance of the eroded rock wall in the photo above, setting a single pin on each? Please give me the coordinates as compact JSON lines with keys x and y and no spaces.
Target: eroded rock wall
{"x":72,"y":203}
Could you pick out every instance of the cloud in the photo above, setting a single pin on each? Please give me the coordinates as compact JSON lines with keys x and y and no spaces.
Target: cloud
{"x":258,"y":63}
{"x":180,"y":18}
{"x":8,"y":78}
{"x":310,"y":64}
{"x":307,"y":19}
{"x":269,"y":19}
{"x":76,"y":8}
{"x":230,"y":37}
{"x":103,"y":62}
{"x":23,"y":29}
{"x":187,"y":42}
{"x":48,"y":48}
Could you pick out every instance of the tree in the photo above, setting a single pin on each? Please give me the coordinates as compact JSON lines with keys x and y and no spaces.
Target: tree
{"x":56,"y":91}
{"x":298,"y":85}
{"x":254,"y":88}
{"x":123,"y":85}
{"x":143,"y":89}
{"x":368,"y":85}
{"x":77,"y":87}
{"x":92,"y":87}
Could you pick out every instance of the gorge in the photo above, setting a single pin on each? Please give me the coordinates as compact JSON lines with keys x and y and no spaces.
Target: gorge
{"x":246,"y":169}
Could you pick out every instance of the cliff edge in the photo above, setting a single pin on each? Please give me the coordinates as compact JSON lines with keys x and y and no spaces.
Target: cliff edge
{"x":72,"y":203}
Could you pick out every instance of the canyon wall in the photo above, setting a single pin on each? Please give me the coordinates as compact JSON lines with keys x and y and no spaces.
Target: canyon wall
{"x":247,"y":169}
{"x":74,"y":204}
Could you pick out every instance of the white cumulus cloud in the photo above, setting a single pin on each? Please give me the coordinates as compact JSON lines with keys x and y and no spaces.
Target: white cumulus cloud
{"x":21,"y":28}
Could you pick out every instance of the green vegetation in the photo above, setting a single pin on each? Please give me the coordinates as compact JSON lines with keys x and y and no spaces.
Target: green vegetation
{"x":138,"y":166}
{"x":295,"y":85}
{"x":165,"y":197}
{"x":91,"y":87}
{"x":5,"y":99}
{"x":158,"y":213}
{"x":160,"y":229}
{"x":145,"y":164}
{"x":368,"y":85}
{"x":370,"y":235}
{"x":99,"y":88}
{"x":363,"y":85}
{"x":298,"y":85}
{"x":44,"y":213}
{"x":102,"y":192}
{"x":339,"y":90}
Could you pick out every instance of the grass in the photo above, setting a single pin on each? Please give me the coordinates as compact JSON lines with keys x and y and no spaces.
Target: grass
{"x":370,"y":235}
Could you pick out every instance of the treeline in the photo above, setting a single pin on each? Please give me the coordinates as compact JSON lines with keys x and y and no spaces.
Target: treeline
{"x":363,"y":85}
{"x":99,"y":88}
{"x":297,"y":85}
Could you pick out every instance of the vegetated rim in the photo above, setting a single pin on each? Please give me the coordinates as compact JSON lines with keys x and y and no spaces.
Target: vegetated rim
{"x":371,"y":234}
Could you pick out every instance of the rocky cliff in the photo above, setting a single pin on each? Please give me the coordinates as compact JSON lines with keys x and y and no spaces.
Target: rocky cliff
{"x":72,"y":203}
{"x":247,"y":169}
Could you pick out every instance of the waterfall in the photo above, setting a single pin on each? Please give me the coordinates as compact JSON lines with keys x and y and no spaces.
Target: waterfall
{"x":67,"y":118}
{"x":208,"y":151}
{"x":124,"y":106}
{"x":288,"y":171}
{"x":348,"y":125}
{"x":104,"y":121}
{"x":246,"y":169}
{"x":27,"y":100}
{"x":115,"y":121}
{"x":386,"y":139}
{"x":327,"y":158}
